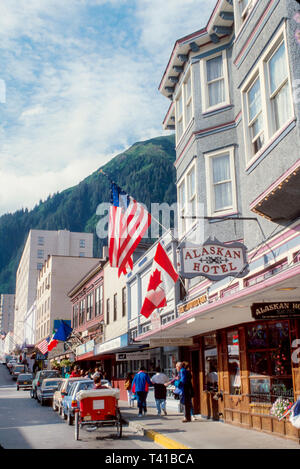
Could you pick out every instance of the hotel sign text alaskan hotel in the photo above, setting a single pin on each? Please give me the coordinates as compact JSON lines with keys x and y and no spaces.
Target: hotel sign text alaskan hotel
{"x":214,"y":260}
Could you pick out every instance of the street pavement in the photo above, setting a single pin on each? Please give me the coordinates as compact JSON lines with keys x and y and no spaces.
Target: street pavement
{"x":25,"y":424}
{"x":171,"y":433}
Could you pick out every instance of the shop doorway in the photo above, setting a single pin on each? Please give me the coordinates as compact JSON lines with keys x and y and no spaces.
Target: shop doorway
{"x":209,"y":402}
{"x":195,"y":366}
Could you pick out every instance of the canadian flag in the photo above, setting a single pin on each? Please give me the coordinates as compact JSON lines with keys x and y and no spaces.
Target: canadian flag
{"x":162,"y":278}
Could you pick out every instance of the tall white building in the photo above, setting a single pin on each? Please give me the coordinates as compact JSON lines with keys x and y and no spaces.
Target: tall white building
{"x":7,"y":304}
{"x":55,"y":279}
{"x":39,"y":245}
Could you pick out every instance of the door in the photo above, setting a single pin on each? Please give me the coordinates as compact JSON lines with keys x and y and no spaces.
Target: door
{"x":195,"y":362}
{"x":209,"y":383}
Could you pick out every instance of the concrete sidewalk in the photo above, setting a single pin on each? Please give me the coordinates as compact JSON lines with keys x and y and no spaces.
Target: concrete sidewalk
{"x":171,"y":433}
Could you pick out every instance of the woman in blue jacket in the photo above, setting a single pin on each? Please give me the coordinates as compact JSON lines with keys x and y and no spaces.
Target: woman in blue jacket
{"x":140,"y":386}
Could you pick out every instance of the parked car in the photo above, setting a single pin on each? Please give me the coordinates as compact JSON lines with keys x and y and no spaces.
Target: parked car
{"x":24,"y":381}
{"x":38,"y":379}
{"x":45,"y":392}
{"x":10,"y":364}
{"x":17,"y":369}
{"x":8,"y":358}
{"x":61,"y":392}
{"x":69,"y":403}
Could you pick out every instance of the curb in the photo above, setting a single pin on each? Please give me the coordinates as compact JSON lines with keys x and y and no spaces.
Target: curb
{"x":157,"y":437}
{"x":164,"y":441}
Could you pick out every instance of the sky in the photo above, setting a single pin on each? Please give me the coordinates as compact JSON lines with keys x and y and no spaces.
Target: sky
{"x":79,"y":84}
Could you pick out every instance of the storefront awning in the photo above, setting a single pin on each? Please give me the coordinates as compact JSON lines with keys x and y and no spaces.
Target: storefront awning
{"x":230,"y":310}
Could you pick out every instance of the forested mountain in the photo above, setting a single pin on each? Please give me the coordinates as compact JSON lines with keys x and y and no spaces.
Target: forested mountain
{"x":145,"y":171}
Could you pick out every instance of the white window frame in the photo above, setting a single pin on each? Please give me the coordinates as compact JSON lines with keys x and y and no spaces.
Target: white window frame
{"x":188,"y":99}
{"x":262,"y":71}
{"x":181,"y":207}
{"x":184,"y":225}
{"x":204,"y":85}
{"x":209,"y":181}
{"x":179,"y":116}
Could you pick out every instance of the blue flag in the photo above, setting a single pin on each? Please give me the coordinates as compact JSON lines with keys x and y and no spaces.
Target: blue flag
{"x":63,"y":332}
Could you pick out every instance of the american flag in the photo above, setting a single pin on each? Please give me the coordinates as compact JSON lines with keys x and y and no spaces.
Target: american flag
{"x":128,"y":222}
{"x":43,"y":346}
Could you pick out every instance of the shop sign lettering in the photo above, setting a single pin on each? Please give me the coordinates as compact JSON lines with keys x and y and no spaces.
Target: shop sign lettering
{"x":192,"y":304}
{"x":214,"y":260}
{"x":281,"y":310}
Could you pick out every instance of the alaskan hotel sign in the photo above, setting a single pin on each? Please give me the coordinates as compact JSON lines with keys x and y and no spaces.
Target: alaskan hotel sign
{"x":281,"y":310}
{"x":214,"y":260}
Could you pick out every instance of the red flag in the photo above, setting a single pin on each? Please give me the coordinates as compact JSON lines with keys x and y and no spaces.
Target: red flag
{"x":52,"y":344}
{"x":163,"y":277}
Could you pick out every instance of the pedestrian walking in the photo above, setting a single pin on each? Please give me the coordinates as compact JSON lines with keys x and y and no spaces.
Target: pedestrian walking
{"x":140,"y":386}
{"x":191,"y":390}
{"x":159,"y":381}
{"x":97,"y":373}
{"x":128,"y":386}
{"x":185,"y":385}
{"x":75,"y":373}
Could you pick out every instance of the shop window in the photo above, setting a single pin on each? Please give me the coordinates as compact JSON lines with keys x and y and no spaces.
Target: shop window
{"x":234,"y":362}
{"x":210,"y":363}
{"x":269,"y":361}
{"x":257,"y":336}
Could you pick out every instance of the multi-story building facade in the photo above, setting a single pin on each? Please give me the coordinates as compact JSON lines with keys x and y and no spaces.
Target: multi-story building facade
{"x":55,"y":279}
{"x":7,"y":306}
{"x":236,"y":117}
{"x":40,"y":244}
{"x":86,"y":297}
{"x":100,"y":318}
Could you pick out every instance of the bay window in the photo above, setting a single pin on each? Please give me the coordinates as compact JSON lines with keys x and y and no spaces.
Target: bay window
{"x":279,"y":87}
{"x":255,"y":120}
{"x":267,"y":98}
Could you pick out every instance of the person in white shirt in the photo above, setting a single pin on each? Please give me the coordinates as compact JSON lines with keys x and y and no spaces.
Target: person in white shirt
{"x":160,"y":390}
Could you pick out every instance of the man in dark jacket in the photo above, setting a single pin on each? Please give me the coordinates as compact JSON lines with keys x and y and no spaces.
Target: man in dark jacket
{"x":140,"y":387}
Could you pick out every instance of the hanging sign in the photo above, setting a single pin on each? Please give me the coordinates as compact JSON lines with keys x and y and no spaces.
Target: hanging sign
{"x":214,"y":260}
{"x":171,"y":341}
{"x":283,"y":310}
